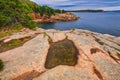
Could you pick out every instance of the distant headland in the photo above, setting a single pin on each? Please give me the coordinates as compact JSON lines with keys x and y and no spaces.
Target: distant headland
{"x":88,"y":10}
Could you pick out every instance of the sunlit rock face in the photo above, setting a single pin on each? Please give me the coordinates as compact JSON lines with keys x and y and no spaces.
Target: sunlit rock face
{"x":71,"y":55}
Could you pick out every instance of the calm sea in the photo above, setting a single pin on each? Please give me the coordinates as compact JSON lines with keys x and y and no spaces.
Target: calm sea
{"x":102,"y":22}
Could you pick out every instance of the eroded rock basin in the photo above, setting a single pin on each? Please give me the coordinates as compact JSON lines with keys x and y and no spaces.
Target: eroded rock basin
{"x":61,"y":53}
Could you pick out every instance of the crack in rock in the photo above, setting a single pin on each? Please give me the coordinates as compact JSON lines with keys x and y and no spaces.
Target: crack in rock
{"x":98,"y":74}
{"x":29,"y":75}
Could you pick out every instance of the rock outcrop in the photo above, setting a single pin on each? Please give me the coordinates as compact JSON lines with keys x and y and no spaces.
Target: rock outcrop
{"x":35,"y":15}
{"x":54,"y":18}
{"x":98,"y":57}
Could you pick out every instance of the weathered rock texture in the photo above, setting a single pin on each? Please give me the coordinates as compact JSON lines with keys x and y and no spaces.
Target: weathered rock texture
{"x":58,"y":17}
{"x":98,"y":59}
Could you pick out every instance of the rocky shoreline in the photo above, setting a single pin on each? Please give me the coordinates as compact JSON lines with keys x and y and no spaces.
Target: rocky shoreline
{"x":54,"y":18}
{"x":98,"y":56}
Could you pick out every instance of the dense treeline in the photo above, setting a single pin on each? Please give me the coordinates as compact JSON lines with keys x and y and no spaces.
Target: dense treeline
{"x":15,"y":12}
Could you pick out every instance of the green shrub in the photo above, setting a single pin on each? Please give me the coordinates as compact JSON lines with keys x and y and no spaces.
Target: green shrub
{"x":9,"y":30}
{"x":1,"y":65}
{"x":30,"y":24}
{"x":13,"y":44}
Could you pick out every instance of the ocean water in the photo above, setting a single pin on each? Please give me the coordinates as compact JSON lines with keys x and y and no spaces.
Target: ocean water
{"x":102,"y":22}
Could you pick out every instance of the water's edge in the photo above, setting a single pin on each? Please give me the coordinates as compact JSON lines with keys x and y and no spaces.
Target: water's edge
{"x":101,"y":22}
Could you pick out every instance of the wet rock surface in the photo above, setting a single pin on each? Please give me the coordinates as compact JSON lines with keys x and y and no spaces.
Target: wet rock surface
{"x":98,"y":59}
{"x":61,"y":53}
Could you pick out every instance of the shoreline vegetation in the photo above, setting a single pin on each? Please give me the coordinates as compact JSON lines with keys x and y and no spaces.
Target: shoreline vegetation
{"x":13,"y":13}
{"x":18,"y":14}
{"x":89,"y":10}
{"x":23,"y":12}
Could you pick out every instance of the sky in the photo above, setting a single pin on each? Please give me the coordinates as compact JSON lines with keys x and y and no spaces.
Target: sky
{"x":81,"y":4}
